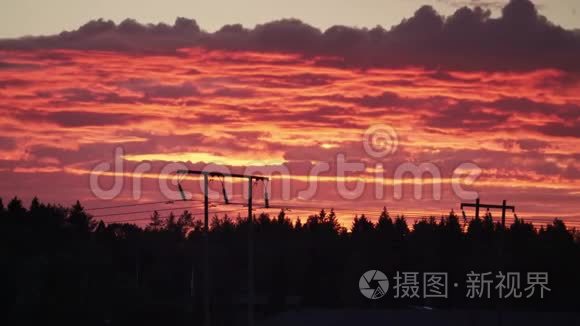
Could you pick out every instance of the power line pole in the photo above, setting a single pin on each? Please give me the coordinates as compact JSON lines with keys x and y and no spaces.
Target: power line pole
{"x":503,"y":208}
{"x":251,"y":179}
{"x":206,"y":287}
{"x":250,"y":256}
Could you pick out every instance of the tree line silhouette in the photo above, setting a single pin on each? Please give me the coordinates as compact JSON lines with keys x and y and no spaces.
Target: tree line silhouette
{"x":62,"y":264}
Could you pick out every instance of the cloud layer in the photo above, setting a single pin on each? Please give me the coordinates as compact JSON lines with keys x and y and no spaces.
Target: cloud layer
{"x":520,"y":39}
{"x":456,"y":90}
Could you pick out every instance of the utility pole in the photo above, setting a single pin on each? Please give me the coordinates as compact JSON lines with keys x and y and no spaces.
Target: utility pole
{"x":250,"y":255}
{"x":478,"y":205}
{"x":206,"y":287}
{"x":503,"y":208}
{"x":251,"y":179}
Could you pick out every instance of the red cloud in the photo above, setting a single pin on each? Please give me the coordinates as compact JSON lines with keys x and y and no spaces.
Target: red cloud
{"x":288,"y":92}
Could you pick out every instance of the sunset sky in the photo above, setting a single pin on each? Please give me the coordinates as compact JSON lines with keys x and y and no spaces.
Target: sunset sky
{"x":498,"y":88}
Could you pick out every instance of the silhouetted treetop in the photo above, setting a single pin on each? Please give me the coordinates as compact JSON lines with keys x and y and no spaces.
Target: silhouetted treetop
{"x":61,"y":257}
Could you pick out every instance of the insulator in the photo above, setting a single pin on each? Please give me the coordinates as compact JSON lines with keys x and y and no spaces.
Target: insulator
{"x":181,"y":191}
{"x":225,"y":193}
{"x":266,"y":196}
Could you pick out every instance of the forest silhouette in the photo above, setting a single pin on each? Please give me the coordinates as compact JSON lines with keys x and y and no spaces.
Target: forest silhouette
{"x":62,"y":264}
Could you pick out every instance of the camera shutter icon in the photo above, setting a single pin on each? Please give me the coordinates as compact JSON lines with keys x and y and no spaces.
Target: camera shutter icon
{"x":373,"y":284}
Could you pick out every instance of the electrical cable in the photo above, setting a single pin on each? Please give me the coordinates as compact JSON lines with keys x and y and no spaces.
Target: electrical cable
{"x":136,"y":204}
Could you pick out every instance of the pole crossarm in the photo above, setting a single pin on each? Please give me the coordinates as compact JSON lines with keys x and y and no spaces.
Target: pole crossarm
{"x":479,"y":205}
{"x":220,"y":174}
{"x":512,"y":208}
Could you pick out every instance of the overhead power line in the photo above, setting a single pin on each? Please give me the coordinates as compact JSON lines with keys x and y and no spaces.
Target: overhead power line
{"x":142,"y":212}
{"x":165,"y":217}
{"x":136,"y":204}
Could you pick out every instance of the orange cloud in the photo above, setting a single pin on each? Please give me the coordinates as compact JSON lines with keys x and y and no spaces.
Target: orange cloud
{"x":64,"y":111}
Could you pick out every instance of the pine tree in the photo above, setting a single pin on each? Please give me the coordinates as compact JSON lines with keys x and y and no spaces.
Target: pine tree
{"x":332,"y":221}
{"x":185,"y":221}
{"x":401,"y":227}
{"x":322,"y":216}
{"x":362,"y":225}
{"x":298,"y":224}
{"x":385,"y":223}
{"x":156,"y":223}
{"x":79,"y":219}
{"x":36,"y":209}
{"x":281,"y":216}
{"x":34,"y":204}
{"x":171,"y":223}
{"x":16,"y":209}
